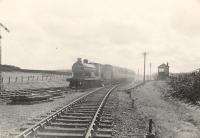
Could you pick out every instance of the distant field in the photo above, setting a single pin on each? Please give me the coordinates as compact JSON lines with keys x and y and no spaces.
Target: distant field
{"x":25,"y":80}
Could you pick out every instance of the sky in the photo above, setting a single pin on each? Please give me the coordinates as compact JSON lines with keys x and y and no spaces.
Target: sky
{"x":49,"y":34}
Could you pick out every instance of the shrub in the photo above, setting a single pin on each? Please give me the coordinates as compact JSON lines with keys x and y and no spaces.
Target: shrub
{"x":186,"y":86}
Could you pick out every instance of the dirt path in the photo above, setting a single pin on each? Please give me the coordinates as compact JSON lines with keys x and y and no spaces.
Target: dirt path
{"x":173,"y":119}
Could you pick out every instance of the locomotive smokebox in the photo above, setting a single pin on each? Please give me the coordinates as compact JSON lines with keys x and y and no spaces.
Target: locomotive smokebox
{"x":85,"y":61}
{"x":79,"y":59}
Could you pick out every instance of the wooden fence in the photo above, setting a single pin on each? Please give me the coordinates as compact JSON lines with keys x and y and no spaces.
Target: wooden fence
{"x":26,"y":79}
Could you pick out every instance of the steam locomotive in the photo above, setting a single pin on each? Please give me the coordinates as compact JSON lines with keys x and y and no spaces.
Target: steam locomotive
{"x":88,"y":75}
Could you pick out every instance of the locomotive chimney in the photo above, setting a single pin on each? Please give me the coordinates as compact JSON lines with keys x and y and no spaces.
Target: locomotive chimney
{"x":85,"y":61}
{"x":79,"y":60}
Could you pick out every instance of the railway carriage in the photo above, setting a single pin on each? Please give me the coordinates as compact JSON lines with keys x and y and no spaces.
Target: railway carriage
{"x":87,"y":75}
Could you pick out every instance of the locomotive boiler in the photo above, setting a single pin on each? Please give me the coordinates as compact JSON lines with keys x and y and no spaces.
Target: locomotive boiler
{"x":88,"y":75}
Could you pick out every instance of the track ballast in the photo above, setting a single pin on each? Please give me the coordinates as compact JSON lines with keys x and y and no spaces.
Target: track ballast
{"x":83,"y":118}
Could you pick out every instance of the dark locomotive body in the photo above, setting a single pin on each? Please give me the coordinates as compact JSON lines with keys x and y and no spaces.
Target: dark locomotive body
{"x":88,"y":75}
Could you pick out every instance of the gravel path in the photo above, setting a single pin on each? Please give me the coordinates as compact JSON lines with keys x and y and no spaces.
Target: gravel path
{"x":173,"y":119}
{"x":14,"y":116}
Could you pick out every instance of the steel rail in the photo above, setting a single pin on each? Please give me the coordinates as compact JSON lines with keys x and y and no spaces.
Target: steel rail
{"x":91,"y":127}
{"x":40,"y":124}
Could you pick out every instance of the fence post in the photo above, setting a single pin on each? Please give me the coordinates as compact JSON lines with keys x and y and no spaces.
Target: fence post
{"x":22,"y":79}
{"x":150,"y":125}
{"x":28,"y":78}
{"x":16,"y":80}
{"x":9,"y":80}
{"x":2,"y":83}
{"x":150,"y":135}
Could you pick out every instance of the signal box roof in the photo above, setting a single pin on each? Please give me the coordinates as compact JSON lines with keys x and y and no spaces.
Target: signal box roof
{"x":163,"y":65}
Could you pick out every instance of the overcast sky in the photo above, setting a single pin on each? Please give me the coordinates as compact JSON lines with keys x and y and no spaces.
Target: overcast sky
{"x":51,"y":34}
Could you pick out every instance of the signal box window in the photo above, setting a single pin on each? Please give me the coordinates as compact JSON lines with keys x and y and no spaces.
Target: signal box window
{"x":161,"y":70}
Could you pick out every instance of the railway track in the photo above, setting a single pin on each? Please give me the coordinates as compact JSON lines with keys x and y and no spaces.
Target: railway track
{"x":83,"y":118}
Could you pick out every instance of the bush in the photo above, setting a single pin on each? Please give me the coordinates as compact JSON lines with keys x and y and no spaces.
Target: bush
{"x":186,"y":86}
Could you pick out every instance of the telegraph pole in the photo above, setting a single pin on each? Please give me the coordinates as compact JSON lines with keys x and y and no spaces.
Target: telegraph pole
{"x":150,"y":71}
{"x":6,"y":29}
{"x":145,"y":53}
